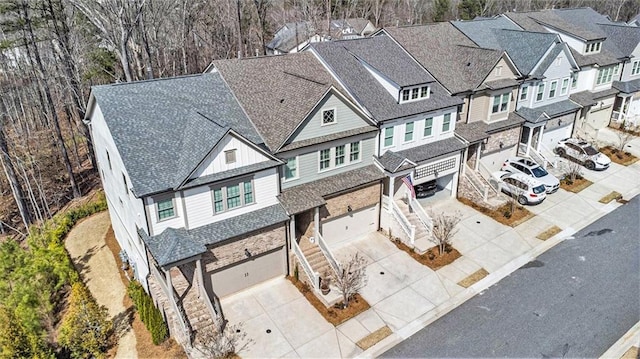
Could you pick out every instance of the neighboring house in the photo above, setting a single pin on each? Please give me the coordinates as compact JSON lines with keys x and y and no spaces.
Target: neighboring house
{"x":599,"y":66}
{"x":625,"y":42}
{"x":547,"y":66}
{"x":330,"y":187}
{"x":415,"y":114}
{"x":192,"y":192}
{"x":294,"y":36}
{"x":486,"y":79}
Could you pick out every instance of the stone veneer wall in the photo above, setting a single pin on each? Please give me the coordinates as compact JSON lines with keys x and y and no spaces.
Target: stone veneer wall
{"x":361,"y":198}
{"x":257,"y":243}
{"x":509,"y":138}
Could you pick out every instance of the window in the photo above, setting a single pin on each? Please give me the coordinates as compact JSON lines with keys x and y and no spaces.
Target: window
{"x":605,"y":74}
{"x":291,"y":168}
{"x":408,"y":132}
{"x":165,"y":209}
{"x":552,"y":89}
{"x":574,"y":80}
{"x":500,"y":103}
{"x":593,"y":47}
{"x":230,"y":156}
{"x":524,"y":92}
{"x":354,"y":148}
{"x":339,"y":155}
{"x":109,"y":160}
{"x":126,"y":186}
{"x":424,"y":91}
{"x":414,"y":93}
{"x":446,"y":122}
{"x":428,"y":127}
{"x":634,"y":70}
{"x":328,"y":116}
{"x":540,"y":94}
{"x":388,"y":136}
{"x":405,"y":95}
{"x":325,"y":159}
{"x":565,"y":87}
{"x":232,"y":196}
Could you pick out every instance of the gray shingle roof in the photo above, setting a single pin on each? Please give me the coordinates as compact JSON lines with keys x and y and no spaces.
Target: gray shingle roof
{"x":432,"y":150}
{"x":588,"y":98}
{"x":479,"y":130}
{"x":466,"y":65}
{"x":290,"y":35}
{"x":174,"y":245}
{"x":393,"y":162}
{"x":346,"y":59}
{"x":310,"y":195}
{"x":548,"y":60}
{"x":277,"y":92}
{"x":543,"y":113}
{"x":481,"y":31}
{"x":621,"y":40}
{"x":327,"y":138}
{"x":163,"y":128}
{"x":627,"y":87}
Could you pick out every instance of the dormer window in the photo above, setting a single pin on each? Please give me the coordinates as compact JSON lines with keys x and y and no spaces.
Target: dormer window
{"x":593,"y":47}
{"x":414,"y":93}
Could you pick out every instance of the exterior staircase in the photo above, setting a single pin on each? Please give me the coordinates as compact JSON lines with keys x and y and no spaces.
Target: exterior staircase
{"x":316,"y":258}
{"x":468,"y":188}
{"x":422,"y":239}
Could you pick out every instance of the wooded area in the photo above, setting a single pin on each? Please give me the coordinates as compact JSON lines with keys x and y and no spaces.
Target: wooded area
{"x":53,"y":51}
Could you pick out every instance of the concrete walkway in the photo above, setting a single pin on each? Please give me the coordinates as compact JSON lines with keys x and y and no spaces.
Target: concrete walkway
{"x":407,"y":296}
{"x":99,"y":271}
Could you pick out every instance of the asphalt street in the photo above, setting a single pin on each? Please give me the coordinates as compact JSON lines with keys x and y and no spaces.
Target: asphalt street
{"x":575,"y":300}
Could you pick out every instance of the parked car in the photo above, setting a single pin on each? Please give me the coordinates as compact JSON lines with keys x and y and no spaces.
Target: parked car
{"x":426,"y":189}
{"x":526,"y":189}
{"x":531,"y":168}
{"x":582,"y":152}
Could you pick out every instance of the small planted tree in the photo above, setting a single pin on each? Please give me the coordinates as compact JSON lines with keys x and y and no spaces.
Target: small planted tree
{"x":351,"y":278}
{"x":444,"y":228}
{"x":85,"y":328}
{"x":225,"y":342}
{"x":573,"y":172}
{"x":624,"y":136}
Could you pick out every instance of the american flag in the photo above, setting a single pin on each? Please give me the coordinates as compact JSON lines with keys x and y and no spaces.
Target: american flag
{"x":407,"y":181}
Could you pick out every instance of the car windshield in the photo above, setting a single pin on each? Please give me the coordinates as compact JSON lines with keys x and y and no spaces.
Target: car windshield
{"x":539,"y":189}
{"x":589,"y":150}
{"x":539,"y":172}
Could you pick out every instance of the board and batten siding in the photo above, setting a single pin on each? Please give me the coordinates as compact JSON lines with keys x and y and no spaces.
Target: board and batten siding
{"x":198,"y":202}
{"x":309,"y":159}
{"x":125,"y":210}
{"x":215,"y":161}
{"x":346,"y":119}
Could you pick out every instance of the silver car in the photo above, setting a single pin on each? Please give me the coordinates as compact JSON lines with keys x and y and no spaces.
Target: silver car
{"x":582,"y":152}
{"x":530,"y":168}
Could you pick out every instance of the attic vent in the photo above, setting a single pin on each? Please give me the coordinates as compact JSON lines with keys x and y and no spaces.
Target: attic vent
{"x":281,"y":100}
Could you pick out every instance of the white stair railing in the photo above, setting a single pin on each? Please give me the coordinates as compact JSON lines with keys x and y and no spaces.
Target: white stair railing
{"x":313,"y":276}
{"x":421,"y":213}
{"x":327,"y":253}
{"x":406,"y":226}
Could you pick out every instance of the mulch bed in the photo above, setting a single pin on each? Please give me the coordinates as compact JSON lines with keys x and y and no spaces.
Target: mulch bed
{"x":550,"y":232}
{"x":575,"y":186}
{"x":610,"y":197}
{"x":373,"y":338}
{"x":431,"y":258}
{"x":519,"y":216}
{"x":473,"y":278}
{"x":335,"y":315}
{"x":619,"y":157}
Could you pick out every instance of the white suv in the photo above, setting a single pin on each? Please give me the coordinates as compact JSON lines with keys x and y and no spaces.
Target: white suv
{"x":526,"y":189}
{"x":530,"y":168}
{"x":582,"y":152}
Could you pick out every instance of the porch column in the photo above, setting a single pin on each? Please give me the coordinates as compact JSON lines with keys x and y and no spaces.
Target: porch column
{"x":478,"y":150}
{"x":316,"y":222}
{"x":624,"y":99}
{"x":199,"y":276}
{"x":529,"y":135}
{"x":292,"y":229}
{"x":392,"y":182}
{"x":167,"y":275}
{"x":463,"y":160}
{"x":540,"y":133}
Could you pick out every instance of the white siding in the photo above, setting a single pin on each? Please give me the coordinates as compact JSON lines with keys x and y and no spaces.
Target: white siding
{"x":586,"y":79}
{"x":392,"y":88}
{"x":125,"y":210}
{"x":215,"y":162}
{"x":419,"y":139}
{"x":626,"y":74}
{"x":158,"y":226}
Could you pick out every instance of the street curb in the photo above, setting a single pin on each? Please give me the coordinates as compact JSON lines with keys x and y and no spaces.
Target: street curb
{"x":629,"y":339}
{"x":477,"y":288}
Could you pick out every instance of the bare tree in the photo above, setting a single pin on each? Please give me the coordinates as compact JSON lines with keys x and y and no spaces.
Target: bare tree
{"x":572,"y":171}
{"x":351,"y":278}
{"x":624,"y":135}
{"x":222,"y":343}
{"x":444,"y":228}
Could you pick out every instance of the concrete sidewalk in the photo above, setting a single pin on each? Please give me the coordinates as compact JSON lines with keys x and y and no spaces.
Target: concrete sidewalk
{"x":407,"y":296}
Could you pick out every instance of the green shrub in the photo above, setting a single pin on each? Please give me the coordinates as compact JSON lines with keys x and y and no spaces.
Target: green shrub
{"x":85,"y":328}
{"x":149,"y":315}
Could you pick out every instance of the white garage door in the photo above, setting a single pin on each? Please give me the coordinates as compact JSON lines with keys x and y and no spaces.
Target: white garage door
{"x":599,"y":119}
{"x":354,"y":225}
{"x":494,"y":161}
{"x":248,"y":273}
{"x":551,"y":137}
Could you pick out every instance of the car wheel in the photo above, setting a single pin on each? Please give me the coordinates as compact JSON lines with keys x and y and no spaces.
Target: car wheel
{"x":522,"y":200}
{"x":590,"y":165}
{"x":560,"y":151}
